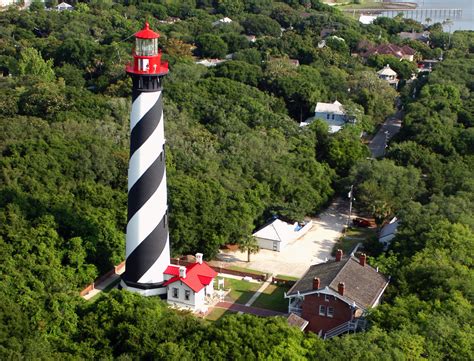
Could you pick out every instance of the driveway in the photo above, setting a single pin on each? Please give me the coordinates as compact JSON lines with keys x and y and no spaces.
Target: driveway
{"x":312,"y":248}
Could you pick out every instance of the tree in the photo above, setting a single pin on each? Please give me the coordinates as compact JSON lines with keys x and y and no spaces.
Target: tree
{"x":249,"y":244}
{"x":31,"y":64}
{"x":211,"y":46}
{"x":383,"y":188}
{"x":261,"y":25}
{"x":240,"y":71}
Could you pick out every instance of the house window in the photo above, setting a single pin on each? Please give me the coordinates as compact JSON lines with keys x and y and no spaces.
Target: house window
{"x":322,"y":310}
{"x":326,"y":298}
{"x":330,"y":312}
{"x":327,"y":116}
{"x":333,"y":117}
{"x":187,"y":295}
{"x":175,"y":292}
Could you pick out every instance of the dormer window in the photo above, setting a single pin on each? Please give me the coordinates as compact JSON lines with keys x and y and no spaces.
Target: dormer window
{"x":146,"y":47}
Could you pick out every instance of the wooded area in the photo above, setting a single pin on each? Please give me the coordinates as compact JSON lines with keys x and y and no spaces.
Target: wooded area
{"x":235,"y":157}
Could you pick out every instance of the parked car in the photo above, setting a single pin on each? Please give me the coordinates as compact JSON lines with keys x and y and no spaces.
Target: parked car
{"x":361,"y":222}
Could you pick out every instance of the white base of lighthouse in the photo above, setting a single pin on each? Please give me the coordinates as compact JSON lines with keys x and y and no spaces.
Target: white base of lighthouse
{"x":159,"y":291}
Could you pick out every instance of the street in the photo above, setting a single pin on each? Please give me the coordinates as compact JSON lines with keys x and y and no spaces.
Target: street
{"x":387,"y":130}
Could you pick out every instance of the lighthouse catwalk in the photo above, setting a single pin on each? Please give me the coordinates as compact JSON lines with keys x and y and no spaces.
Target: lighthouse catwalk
{"x":147,"y":248}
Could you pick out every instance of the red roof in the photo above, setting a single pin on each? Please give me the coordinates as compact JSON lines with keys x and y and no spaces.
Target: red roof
{"x":172,"y":270}
{"x":198,"y":275}
{"x":146,"y":33}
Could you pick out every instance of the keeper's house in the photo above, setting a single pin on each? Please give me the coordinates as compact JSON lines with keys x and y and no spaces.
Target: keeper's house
{"x":335,"y":296}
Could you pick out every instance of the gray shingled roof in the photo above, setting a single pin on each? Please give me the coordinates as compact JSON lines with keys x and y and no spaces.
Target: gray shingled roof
{"x":363,"y":284}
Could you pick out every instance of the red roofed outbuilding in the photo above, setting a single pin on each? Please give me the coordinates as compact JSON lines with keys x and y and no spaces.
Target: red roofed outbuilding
{"x":188,"y":286}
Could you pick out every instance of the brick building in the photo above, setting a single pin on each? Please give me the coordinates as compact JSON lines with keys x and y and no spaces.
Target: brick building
{"x":334,"y":296}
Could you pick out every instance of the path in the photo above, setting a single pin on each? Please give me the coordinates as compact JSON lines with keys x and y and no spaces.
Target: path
{"x":259,"y":291}
{"x":102,"y":285}
{"x":387,"y":130}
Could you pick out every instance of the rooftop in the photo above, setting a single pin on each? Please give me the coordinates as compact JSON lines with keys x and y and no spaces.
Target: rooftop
{"x":363,"y":284}
{"x":198,"y":275}
{"x":333,"y":108}
{"x":277,"y":230}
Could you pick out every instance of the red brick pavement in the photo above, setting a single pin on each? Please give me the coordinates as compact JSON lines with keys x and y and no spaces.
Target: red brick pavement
{"x":248,"y":309}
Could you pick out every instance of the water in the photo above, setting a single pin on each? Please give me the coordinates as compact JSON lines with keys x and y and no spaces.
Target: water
{"x":465,"y":22}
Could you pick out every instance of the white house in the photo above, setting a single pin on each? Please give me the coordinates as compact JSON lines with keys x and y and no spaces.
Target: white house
{"x":367,"y":19}
{"x":332,"y":113}
{"x":389,"y":75}
{"x":4,"y":3}
{"x":210,"y":62}
{"x":222,"y":21}
{"x":277,"y":234}
{"x":189,"y":286}
{"x":387,"y":233}
{"x":64,"y":6}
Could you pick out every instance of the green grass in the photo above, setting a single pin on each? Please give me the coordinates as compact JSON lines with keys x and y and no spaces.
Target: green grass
{"x":346,"y":244}
{"x":243,"y":269}
{"x":287,"y":278}
{"x":217,"y":313}
{"x":273,"y":298}
{"x":360,"y":232}
{"x":241,"y":291}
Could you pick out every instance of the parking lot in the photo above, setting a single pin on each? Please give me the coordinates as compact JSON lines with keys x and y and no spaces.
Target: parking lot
{"x":314,"y":247}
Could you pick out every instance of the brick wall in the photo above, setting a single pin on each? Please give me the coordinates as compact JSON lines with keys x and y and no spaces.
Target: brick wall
{"x":342,"y":312}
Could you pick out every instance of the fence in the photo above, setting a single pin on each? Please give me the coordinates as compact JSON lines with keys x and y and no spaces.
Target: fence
{"x":259,"y":277}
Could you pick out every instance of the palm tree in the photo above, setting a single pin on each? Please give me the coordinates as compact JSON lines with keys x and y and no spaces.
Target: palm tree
{"x":249,"y":244}
{"x":428,"y":21}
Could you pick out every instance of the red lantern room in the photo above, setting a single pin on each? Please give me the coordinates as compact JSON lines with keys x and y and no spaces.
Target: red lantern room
{"x":146,"y":56}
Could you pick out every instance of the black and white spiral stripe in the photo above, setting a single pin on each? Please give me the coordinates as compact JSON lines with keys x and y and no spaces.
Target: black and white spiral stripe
{"x":147,"y":249}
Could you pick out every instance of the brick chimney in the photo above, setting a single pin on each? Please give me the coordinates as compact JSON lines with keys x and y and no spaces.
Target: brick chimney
{"x":182,"y":272}
{"x":316,"y":283}
{"x":338,"y":255}
{"x":362,"y":259}
{"x":199,"y":258}
{"x":340,"y":288}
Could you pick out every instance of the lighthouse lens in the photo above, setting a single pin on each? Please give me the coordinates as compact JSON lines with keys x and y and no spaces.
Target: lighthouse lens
{"x":146,"y":47}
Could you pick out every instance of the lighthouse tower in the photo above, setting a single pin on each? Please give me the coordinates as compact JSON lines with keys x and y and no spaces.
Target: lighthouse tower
{"x":147,"y":249}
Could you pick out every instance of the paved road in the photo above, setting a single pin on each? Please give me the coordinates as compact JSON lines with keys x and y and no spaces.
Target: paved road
{"x":388,"y":129}
{"x":312,"y":248}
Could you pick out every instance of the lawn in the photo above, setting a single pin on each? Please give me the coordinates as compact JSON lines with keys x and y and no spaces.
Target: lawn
{"x":217,"y":313}
{"x":240,"y":291}
{"x":273,"y":298}
{"x":352,"y":237}
{"x":287,"y":278}
{"x":243,"y":269}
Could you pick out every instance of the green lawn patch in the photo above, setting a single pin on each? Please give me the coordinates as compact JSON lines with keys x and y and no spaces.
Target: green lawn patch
{"x":217,"y":313}
{"x":360,"y":232}
{"x":240,"y":291}
{"x":287,"y":278}
{"x":273,"y":298}
{"x":243,"y":269}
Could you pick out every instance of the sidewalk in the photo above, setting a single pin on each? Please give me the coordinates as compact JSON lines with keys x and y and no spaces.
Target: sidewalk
{"x":259,"y":291}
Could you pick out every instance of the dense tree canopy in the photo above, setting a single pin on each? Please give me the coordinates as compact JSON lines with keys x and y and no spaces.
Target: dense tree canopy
{"x":236,"y":156}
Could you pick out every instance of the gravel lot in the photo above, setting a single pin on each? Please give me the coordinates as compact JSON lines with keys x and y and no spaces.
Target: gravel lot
{"x":314,"y":247}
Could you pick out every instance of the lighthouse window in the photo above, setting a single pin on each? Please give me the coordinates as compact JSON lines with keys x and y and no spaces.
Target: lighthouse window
{"x":146,"y":47}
